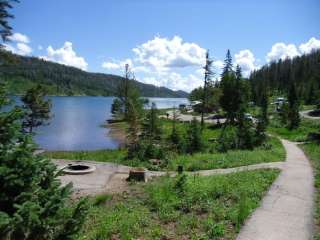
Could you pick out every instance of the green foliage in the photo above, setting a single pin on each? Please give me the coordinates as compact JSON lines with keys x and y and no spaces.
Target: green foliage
{"x":37,"y":109}
{"x":151,"y":126}
{"x":33,"y":204}
{"x":243,"y":211}
{"x":116,"y":107}
{"x":245,"y":134}
{"x":209,"y":208}
{"x":303,"y":71}
{"x":293,"y":112}
{"x":181,"y":184}
{"x":271,"y":151}
{"x":235,"y":92}
{"x":6,"y":29}
{"x":27,"y":72}
{"x":227,"y":139}
{"x":175,"y":138}
{"x":299,"y":134}
{"x":194,"y":138}
{"x":213,"y":96}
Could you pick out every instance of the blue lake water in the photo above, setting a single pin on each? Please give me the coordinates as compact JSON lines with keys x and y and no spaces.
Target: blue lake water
{"x":76,"y":124}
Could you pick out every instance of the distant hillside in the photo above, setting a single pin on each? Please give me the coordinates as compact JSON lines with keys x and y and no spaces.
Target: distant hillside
{"x":24,"y":72}
{"x":303,"y":70}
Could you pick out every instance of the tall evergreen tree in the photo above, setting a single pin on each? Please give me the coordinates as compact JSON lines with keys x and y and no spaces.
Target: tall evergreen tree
{"x":228,"y":85}
{"x":33,"y":203}
{"x":228,"y":67}
{"x":151,"y":128}
{"x":208,"y":73}
{"x":293,"y":111}
{"x":125,"y":91}
{"x":37,"y":108}
{"x":133,"y":130}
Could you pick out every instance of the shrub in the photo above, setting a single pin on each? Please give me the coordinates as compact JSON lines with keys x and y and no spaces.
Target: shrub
{"x":227,"y":139}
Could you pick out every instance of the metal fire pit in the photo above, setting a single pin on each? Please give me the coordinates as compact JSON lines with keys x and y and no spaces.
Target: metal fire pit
{"x":78,"y":169}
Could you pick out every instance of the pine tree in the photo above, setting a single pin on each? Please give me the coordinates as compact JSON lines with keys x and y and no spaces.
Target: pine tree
{"x":228,"y":85}
{"x":133,"y":130}
{"x":194,"y":138}
{"x":175,"y":136}
{"x":227,"y":69}
{"x":33,"y":203}
{"x":264,"y":107}
{"x":36,"y":107}
{"x":151,"y":129}
{"x":293,"y":111}
{"x":207,"y":83}
{"x":5,"y":28}
{"x":263,"y":119}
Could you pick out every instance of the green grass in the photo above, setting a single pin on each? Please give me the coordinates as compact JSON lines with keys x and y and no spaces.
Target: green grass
{"x":308,"y":107}
{"x":204,"y":208}
{"x":299,"y":135}
{"x":313,"y":152}
{"x":272,"y":152}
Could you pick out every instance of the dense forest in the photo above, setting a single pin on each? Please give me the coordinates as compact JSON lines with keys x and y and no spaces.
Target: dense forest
{"x":303,"y":71}
{"x":24,"y":72}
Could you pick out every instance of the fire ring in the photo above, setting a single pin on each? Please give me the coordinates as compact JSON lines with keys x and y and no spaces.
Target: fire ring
{"x":78,"y":169}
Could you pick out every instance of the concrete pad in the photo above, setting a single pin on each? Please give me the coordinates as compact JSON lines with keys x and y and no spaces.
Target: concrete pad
{"x":96,"y":182}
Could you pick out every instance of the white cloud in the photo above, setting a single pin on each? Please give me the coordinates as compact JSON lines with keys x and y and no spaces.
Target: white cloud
{"x":66,"y":55}
{"x":174,"y":80}
{"x":115,"y":65}
{"x":307,"y":47}
{"x":23,"y":49}
{"x":19,"y":44}
{"x":110,"y":65}
{"x":282,"y":51}
{"x":19,"y":37}
{"x":162,"y":54}
{"x":20,"y":49}
{"x":245,"y":59}
{"x":40,"y":47}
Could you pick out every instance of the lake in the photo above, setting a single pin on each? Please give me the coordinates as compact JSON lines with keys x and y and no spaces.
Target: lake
{"x":76,"y":124}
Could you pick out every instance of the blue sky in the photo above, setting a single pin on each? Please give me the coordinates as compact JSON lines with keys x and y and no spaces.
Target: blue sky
{"x":164,"y":40}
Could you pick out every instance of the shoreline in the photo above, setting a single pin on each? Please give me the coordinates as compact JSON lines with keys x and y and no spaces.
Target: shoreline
{"x":117,"y":131}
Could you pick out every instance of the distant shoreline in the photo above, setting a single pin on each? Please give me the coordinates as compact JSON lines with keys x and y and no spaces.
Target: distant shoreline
{"x":19,"y":95}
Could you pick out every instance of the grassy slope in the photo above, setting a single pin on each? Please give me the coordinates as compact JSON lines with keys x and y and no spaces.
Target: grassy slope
{"x":272,"y":152}
{"x":235,"y":158}
{"x":208,"y":208}
{"x":313,"y":152}
{"x":300,"y":134}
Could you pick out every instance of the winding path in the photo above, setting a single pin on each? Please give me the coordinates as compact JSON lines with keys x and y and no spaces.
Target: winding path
{"x":286,"y":212}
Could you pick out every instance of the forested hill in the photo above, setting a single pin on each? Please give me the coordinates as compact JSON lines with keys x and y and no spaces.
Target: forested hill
{"x":304,"y":71}
{"x":24,"y":72}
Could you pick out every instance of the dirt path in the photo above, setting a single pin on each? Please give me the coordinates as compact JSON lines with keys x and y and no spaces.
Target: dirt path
{"x":286,"y":212}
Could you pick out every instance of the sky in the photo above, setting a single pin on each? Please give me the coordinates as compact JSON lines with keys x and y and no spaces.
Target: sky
{"x":164,"y":41}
